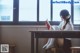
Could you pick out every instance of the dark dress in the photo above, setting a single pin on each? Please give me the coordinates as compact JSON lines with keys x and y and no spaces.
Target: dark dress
{"x":65,"y":48}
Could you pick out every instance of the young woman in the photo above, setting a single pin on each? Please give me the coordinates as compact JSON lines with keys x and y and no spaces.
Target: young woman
{"x":62,"y":44}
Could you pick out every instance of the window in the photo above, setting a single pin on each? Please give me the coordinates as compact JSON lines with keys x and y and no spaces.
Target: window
{"x":33,"y":12}
{"x":44,"y":10}
{"x":6,"y":10}
{"x":59,"y":5}
{"x":27,"y":10}
{"x":76,"y":11}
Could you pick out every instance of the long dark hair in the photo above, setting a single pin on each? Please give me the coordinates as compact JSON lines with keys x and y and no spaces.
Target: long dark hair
{"x":64,"y":14}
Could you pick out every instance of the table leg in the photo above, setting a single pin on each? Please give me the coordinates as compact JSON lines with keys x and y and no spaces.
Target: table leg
{"x":36,"y":45}
{"x":32,"y":42}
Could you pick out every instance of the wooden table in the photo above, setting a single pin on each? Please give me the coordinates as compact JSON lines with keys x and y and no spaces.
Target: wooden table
{"x":51,"y":34}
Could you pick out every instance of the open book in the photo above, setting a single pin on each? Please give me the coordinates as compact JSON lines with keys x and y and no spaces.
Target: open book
{"x":49,"y":27}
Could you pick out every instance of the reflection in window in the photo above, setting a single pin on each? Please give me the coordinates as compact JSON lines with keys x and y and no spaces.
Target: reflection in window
{"x":77,"y":12}
{"x":6,"y":10}
{"x":59,"y":5}
{"x":27,"y":10}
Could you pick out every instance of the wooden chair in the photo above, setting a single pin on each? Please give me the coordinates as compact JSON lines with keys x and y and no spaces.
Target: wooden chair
{"x":12,"y":49}
{"x":75,"y":49}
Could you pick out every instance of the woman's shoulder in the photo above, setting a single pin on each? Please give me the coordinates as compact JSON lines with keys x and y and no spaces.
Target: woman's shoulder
{"x":70,"y":26}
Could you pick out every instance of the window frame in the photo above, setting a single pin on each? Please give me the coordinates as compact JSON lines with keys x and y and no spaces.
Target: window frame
{"x":16,"y":16}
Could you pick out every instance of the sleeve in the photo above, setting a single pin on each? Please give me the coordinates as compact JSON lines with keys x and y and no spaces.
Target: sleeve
{"x":60,"y":26}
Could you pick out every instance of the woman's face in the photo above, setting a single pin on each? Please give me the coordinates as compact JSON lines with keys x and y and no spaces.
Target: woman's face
{"x":63,"y":18}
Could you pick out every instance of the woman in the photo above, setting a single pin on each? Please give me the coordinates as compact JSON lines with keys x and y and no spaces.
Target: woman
{"x":62,"y":44}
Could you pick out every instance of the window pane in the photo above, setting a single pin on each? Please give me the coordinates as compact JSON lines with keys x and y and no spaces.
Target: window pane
{"x":59,"y":5}
{"x":27,"y":10}
{"x":44,"y":11}
{"x":6,"y":10}
{"x":77,"y":12}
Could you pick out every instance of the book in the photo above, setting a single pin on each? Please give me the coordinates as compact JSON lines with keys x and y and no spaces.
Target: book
{"x":48,"y":25}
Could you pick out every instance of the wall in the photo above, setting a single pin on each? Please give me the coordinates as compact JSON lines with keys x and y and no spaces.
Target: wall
{"x":21,"y":37}
{"x":76,"y":41}
{"x":0,"y":35}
